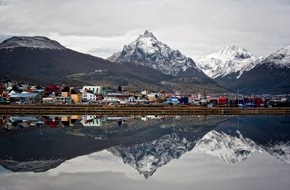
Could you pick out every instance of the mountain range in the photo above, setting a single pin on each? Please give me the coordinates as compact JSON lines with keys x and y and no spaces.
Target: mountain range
{"x":238,"y":70}
{"x":147,"y":63}
{"x":47,"y":61}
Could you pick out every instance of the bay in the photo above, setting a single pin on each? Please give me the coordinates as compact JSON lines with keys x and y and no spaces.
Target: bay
{"x":144,"y":152}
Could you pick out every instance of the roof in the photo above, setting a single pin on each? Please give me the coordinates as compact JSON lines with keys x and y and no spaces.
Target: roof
{"x":23,"y":95}
{"x":66,"y":89}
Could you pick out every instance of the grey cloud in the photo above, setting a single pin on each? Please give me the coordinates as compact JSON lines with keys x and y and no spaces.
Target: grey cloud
{"x":205,"y":25}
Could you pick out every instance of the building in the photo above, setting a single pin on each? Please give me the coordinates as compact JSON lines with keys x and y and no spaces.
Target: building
{"x":70,"y":92}
{"x":89,"y":97}
{"x":25,"y":97}
{"x":75,"y":97}
{"x":66,"y":92}
{"x":92,"y":89}
{"x":91,"y":121}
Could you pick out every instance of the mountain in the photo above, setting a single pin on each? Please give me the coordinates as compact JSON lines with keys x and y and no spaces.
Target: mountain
{"x":146,"y":50}
{"x":231,"y":60}
{"x":47,"y":61}
{"x":270,"y":75}
{"x":228,"y":148}
{"x":36,"y":42}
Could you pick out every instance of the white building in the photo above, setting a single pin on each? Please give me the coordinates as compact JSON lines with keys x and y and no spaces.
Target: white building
{"x":92,"y":89}
{"x":89,"y":97}
{"x":90,"y":121}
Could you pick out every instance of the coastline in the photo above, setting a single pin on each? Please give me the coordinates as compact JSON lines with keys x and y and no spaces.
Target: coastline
{"x":135,"y":110}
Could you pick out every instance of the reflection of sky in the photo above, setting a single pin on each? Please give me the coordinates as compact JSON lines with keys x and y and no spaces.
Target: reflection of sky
{"x":193,"y":170}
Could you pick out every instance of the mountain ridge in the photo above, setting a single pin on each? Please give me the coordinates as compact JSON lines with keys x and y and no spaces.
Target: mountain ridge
{"x":53,"y":63}
{"x":270,"y":75}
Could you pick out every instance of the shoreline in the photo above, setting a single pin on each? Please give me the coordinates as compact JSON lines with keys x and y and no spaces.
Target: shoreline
{"x":125,"y":110}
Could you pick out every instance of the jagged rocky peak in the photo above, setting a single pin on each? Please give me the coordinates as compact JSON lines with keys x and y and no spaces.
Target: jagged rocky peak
{"x":280,"y":58}
{"x":231,"y":59}
{"x":146,"y":50}
{"x":36,"y":42}
{"x":147,"y":34}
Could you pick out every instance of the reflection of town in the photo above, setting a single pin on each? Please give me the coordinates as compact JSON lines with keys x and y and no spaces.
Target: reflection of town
{"x":146,"y":143}
{"x":9,"y":123}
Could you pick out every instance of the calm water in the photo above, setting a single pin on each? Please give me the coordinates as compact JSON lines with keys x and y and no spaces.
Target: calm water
{"x":149,"y":152}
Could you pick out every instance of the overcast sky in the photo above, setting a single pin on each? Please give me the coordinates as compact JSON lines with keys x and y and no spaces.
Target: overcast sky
{"x":195,"y":27}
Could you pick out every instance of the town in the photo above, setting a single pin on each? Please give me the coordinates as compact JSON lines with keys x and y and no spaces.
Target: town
{"x":21,"y":93}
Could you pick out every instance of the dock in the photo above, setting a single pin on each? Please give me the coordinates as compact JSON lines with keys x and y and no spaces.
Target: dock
{"x":135,"y":110}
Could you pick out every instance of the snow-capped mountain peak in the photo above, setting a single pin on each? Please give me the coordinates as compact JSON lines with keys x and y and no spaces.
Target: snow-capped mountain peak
{"x":280,"y":58}
{"x":233,"y":52}
{"x":146,"y":50}
{"x":230,"y":60}
{"x":147,"y":34}
{"x":36,"y":42}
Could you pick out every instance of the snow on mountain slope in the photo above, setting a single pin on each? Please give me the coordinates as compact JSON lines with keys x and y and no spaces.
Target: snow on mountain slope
{"x":37,"y":42}
{"x":229,"y":60}
{"x":280,"y":150}
{"x":146,"y":50}
{"x":278,"y":59}
{"x":228,"y":148}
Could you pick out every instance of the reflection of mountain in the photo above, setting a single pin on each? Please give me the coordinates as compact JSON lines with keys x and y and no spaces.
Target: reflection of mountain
{"x":147,"y":145}
{"x":230,"y":149}
{"x":271,"y":133}
{"x":39,"y":149}
{"x":34,"y":165}
{"x":184,"y":132}
{"x":280,"y":150}
{"x":149,"y":156}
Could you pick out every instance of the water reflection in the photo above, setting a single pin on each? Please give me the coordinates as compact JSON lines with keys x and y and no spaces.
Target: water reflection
{"x":146,"y":143}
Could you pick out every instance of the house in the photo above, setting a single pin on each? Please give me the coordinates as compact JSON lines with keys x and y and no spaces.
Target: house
{"x":152,"y":97}
{"x":222,"y":101}
{"x":75,"y":96}
{"x":91,"y":121}
{"x":70,"y":92}
{"x":66,"y":92}
{"x":69,"y":120}
{"x":52,"y":89}
{"x":24,"y":97}
{"x":92,"y":89}
{"x":63,"y":100}
{"x":89,"y":97}
{"x":173,"y":100}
